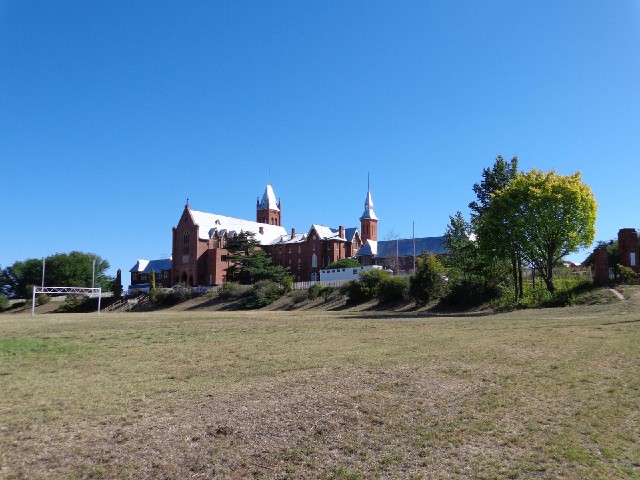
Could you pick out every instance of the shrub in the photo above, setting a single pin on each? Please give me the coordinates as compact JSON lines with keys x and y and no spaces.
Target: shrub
{"x":427,"y":283}
{"x":262,"y":293}
{"x":344,"y":263}
{"x":299,"y":296}
{"x":42,"y":299}
{"x":230,"y":290}
{"x":392,"y":289}
{"x":627,"y":275}
{"x":355,"y":292}
{"x":315,"y":291}
{"x":4,"y":302}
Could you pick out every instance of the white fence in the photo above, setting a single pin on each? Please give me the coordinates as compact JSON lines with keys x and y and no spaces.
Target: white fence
{"x":324,"y":283}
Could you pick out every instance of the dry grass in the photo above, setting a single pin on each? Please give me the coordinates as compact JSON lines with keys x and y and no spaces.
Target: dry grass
{"x":533,"y":394}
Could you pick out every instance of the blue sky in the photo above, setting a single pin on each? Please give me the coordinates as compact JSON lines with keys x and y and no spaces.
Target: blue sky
{"x":113,"y":113}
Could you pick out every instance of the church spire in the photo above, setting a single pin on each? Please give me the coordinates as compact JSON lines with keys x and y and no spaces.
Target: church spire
{"x":268,"y":209}
{"x":368,"y":219}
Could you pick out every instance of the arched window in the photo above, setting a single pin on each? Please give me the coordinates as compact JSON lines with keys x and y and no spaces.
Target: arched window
{"x":185,"y":243}
{"x":314,"y":261}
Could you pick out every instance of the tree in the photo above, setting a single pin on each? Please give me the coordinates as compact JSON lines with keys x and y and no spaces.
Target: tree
{"x":250,"y":264}
{"x":427,"y":283}
{"x":495,"y":179}
{"x":542,"y":216}
{"x":116,"y":286}
{"x":62,"y":269}
{"x":344,"y":263}
{"x":473,"y":277}
{"x":153,"y":291}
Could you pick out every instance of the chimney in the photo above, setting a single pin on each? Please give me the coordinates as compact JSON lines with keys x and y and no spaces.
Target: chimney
{"x":293,"y":232}
{"x":261,"y":230}
{"x":341,"y":229}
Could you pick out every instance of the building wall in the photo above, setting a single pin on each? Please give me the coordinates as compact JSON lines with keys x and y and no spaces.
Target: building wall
{"x":628,"y":248}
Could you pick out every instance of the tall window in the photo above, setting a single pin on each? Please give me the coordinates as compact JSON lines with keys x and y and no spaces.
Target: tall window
{"x":185,"y":243}
{"x":314,"y":261}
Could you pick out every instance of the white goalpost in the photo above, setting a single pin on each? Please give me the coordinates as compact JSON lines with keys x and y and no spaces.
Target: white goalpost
{"x":80,"y":290}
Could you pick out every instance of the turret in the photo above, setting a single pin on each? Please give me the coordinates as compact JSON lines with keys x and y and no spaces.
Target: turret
{"x":369,"y":220}
{"x":268,"y":209}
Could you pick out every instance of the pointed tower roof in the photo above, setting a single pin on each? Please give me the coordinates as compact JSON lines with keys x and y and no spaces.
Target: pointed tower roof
{"x":269,"y":200}
{"x":368,"y":208}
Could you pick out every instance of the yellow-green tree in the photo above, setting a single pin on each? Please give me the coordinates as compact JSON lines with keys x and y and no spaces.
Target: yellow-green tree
{"x":542,"y":215}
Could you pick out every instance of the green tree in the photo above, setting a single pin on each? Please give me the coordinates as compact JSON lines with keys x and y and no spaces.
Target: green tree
{"x":153,"y":291}
{"x":495,"y":179}
{"x":473,"y":278}
{"x":4,"y":302}
{"x":116,"y":286}
{"x":344,"y":263}
{"x":427,"y":283}
{"x":62,"y":269}
{"x":543,"y":216}
{"x":250,"y":264}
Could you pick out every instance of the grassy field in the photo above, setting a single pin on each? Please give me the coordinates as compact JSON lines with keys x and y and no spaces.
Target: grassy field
{"x":531,"y":394}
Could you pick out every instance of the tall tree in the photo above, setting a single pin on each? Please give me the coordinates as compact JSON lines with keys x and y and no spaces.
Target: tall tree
{"x":73,"y":269}
{"x":543,"y":216}
{"x":248,"y":263}
{"x":495,"y":179}
{"x":117,"y":285}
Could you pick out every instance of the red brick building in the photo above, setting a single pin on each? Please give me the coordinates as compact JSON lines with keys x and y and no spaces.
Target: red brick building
{"x":200,"y":239}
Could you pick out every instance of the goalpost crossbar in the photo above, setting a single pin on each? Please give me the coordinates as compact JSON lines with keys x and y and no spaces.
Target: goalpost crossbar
{"x":78,"y":290}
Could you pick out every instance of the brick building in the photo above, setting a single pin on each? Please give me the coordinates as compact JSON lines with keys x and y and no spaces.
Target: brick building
{"x":628,"y":255}
{"x":200,"y":238}
{"x":141,"y":273}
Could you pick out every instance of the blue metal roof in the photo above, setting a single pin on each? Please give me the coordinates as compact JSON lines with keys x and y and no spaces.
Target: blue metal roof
{"x":404,"y":247}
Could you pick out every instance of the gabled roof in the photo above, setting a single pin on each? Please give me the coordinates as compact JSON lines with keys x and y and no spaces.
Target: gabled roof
{"x":209,"y":223}
{"x":349,"y":233}
{"x":404,"y":247}
{"x":268,"y":201}
{"x":147,"y":266}
{"x":325,"y":233}
{"x":369,"y":248}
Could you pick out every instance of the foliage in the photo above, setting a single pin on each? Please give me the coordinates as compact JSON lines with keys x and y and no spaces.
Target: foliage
{"x":171,"y":297}
{"x":355,"y":292}
{"x":369,"y":287}
{"x":116,"y":285}
{"x":542,"y":216}
{"x":393,"y":289}
{"x":262,"y":293}
{"x":344,"y":263}
{"x":473,"y":278}
{"x":627,"y":275}
{"x":62,"y":269}
{"x":230,"y":290}
{"x":316,"y":290}
{"x":250,"y":264}
{"x":427,"y":283}
{"x":153,"y":290}
{"x":42,"y":299}
{"x":493,"y":180}
{"x":4,"y":302}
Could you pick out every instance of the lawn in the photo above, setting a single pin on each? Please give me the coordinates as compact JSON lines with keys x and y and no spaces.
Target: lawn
{"x":551,"y":393}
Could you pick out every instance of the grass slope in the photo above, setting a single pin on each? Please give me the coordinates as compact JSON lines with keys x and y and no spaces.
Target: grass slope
{"x":529,"y":394}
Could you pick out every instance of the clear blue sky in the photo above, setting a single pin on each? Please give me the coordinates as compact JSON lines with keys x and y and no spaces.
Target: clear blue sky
{"x":113,"y":113}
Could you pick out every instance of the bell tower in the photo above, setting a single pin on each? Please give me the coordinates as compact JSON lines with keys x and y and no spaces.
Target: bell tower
{"x":268,"y":209}
{"x":368,"y":219}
